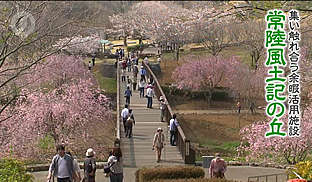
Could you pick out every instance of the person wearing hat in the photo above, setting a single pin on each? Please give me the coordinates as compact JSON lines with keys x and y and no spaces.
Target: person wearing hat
{"x":143,"y":73}
{"x":89,"y":166}
{"x":162,"y":108}
{"x":159,"y":142}
{"x":150,"y":94}
{"x":217,"y":167}
{"x":62,"y":165}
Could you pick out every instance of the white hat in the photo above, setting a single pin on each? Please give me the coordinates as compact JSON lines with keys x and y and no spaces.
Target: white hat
{"x":159,"y":128}
{"x":142,"y":66}
{"x":89,"y":152}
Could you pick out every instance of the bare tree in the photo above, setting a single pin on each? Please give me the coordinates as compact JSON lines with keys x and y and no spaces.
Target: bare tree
{"x":28,"y":31}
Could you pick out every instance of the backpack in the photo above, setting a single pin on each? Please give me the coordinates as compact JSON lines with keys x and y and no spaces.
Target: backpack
{"x":88,"y":167}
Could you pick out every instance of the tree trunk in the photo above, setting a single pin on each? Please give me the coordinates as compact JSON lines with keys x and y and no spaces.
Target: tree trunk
{"x":178,"y":52}
{"x":125,"y":40}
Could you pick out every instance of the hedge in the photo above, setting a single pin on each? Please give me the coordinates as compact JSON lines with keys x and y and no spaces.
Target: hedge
{"x":136,"y":47}
{"x":173,"y":172}
{"x":217,"y":95}
{"x":195,"y":180}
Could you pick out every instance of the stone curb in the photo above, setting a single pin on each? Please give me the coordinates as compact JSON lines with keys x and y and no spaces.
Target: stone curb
{"x":45,"y":167}
{"x":253,"y":164}
{"x":100,"y":165}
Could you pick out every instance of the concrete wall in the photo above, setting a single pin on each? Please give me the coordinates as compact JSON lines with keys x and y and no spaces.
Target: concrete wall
{"x":108,"y":70}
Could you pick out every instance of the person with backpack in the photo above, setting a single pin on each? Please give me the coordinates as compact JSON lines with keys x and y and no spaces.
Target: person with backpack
{"x":116,"y":163}
{"x":158,"y":142}
{"x":89,"y":166}
{"x":173,"y":127}
{"x":130,"y":122}
{"x":128,"y":94}
{"x":124,"y":116}
{"x":62,"y":166}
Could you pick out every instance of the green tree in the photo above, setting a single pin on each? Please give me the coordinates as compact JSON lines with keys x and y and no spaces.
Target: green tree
{"x":12,"y":170}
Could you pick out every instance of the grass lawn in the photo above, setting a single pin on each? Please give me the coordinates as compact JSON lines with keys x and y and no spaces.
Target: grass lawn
{"x":109,"y":84}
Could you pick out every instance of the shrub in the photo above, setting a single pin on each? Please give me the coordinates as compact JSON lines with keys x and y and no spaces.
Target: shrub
{"x":303,"y":169}
{"x":173,"y":172}
{"x":195,"y":180}
{"x":11,"y":170}
{"x":136,"y":47}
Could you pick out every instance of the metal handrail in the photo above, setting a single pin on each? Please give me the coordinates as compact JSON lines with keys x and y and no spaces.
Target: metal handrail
{"x":118,"y":109}
{"x":183,"y":143}
{"x":266,"y":176}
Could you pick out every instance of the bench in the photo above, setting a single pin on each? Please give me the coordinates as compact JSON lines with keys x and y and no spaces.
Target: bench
{"x":197,"y":49}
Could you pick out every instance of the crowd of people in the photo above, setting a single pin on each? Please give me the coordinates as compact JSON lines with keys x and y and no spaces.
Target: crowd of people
{"x":65,"y":168}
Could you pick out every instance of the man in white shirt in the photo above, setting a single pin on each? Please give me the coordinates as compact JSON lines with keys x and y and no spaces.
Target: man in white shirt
{"x":150,"y":94}
{"x":62,"y":165}
{"x":173,"y":127}
{"x":124,"y":116}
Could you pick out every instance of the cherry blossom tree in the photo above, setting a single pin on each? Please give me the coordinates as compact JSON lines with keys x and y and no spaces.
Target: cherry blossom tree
{"x":204,"y":73}
{"x":71,"y":110}
{"x":256,"y":147}
{"x":79,"y":45}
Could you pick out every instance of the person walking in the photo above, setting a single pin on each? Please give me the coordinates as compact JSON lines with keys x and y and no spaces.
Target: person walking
{"x":252,"y":107}
{"x":158,"y":143}
{"x":116,"y":163}
{"x":217,"y":167}
{"x":124,"y":116}
{"x":150,"y":80}
{"x":238,"y":106}
{"x":162,"y":108}
{"x":141,"y":87}
{"x":93,"y":60}
{"x":129,"y":64}
{"x":90,"y":65}
{"x":134,"y":82}
{"x":173,"y":128}
{"x":143,"y":73}
{"x":89,"y":166}
{"x":62,"y":166}
{"x":130,"y":122}
{"x":135,"y":71}
{"x":150,"y":94}
{"x":128,"y":94}
{"x":76,"y":168}
{"x":123,"y":75}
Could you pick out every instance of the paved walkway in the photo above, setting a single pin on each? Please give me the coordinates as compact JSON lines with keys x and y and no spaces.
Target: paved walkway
{"x":237,"y":173}
{"x":137,"y":150}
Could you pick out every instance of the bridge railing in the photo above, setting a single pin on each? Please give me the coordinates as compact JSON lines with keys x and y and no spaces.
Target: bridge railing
{"x":117,"y":129}
{"x":183,"y":143}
